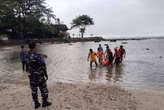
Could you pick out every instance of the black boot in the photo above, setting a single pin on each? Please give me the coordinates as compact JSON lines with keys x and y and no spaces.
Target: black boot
{"x":37,"y":105}
{"x":46,"y":103}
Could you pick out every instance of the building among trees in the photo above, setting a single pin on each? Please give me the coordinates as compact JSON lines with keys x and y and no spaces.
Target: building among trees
{"x":28,"y":19}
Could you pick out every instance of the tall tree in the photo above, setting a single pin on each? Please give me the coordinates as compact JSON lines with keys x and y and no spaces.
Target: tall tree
{"x":7,"y":15}
{"x":35,"y":9}
{"x":25,"y":15}
{"x":82,"y":22}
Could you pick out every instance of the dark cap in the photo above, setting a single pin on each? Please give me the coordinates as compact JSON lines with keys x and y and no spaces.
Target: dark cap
{"x":32,"y":45}
{"x":22,"y":46}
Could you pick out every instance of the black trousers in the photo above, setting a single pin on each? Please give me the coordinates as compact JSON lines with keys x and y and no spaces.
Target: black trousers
{"x":41,"y":84}
{"x":117,"y":61}
{"x":23,"y":65}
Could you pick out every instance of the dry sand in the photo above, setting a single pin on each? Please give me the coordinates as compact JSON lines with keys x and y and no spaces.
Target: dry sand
{"x":80,"y":97}
{"x":149,"y":100}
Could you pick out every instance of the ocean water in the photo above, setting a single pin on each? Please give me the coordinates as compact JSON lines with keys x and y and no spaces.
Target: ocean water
{"x":126,"y":36}
{"x":142,"y":68}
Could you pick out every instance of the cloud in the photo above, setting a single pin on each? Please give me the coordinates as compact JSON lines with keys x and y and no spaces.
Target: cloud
{"x":114,"y":16}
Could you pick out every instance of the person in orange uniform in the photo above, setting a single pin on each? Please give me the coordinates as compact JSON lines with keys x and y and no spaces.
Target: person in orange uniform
{"x":122,"y":52}
{"x":100,"y":55}
{"x":117,"y":56}
{"x":92,"y":55}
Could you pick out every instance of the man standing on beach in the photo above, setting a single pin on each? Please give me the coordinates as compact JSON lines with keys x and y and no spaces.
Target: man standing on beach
{"x":38,"y":76}
{"x":22,"y":58}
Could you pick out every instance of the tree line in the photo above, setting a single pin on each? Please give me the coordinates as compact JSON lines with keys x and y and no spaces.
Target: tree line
{"x":30,"y":19}
{"x":21,"y":19}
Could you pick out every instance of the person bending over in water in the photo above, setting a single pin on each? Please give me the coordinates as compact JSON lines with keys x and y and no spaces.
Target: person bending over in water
{"x":92,"y":56}
{"x":122,"y":52}
{"x":100,"y":55}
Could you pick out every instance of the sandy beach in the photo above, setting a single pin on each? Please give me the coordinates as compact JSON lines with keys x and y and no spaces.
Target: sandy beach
{"x":69,"y":97}
{"x":88,"y":96}
{"x":149,"y":100}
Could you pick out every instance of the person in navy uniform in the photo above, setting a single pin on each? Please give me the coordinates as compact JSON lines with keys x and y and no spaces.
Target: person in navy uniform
{"x":38,"y":76}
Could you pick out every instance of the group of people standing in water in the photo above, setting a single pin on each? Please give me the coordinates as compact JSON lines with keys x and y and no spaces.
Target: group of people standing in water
{"x":107,"y":57}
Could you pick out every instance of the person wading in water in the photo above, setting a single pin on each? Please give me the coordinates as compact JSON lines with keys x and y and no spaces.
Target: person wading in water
{"x":92,"y":55}
{"x":122,"y":52}
{"x":117,"y":56}
{"x":100,"y":55}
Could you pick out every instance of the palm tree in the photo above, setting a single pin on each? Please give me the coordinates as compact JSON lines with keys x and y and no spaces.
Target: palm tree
{"x":82,"y":22}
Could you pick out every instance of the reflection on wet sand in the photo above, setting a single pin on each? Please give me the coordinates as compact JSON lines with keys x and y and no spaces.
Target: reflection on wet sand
{"x":113,"y":73}
{"x":118,"y":73}
{"x":92,"y":75}
{"x":109,"y":73}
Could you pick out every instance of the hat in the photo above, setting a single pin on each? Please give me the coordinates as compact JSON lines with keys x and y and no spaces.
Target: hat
{"x":32,"y":45}
{"x":115,"y":48}
{"x":121,"y":46}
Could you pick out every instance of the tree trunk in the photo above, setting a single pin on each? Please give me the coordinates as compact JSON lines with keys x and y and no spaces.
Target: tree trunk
{"x":20,"y":28}
{"x":82,"y":34}
{"x":82,"y":31}
{"x":21,"y":31}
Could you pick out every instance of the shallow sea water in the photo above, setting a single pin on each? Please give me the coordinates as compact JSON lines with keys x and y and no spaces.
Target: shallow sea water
{"x":142,"y":68}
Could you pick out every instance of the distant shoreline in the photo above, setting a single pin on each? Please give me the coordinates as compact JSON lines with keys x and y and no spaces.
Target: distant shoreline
{"x":69,"y":40}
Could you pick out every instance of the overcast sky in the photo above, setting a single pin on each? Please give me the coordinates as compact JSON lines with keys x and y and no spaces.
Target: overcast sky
{"x":114,"y":17}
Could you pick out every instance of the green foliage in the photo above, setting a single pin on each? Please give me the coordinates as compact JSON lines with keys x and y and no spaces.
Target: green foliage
{"x":25,"y":15}
{"x":7,"y":16}
{"x":82,"y":22}
{"x":3,"y":36}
